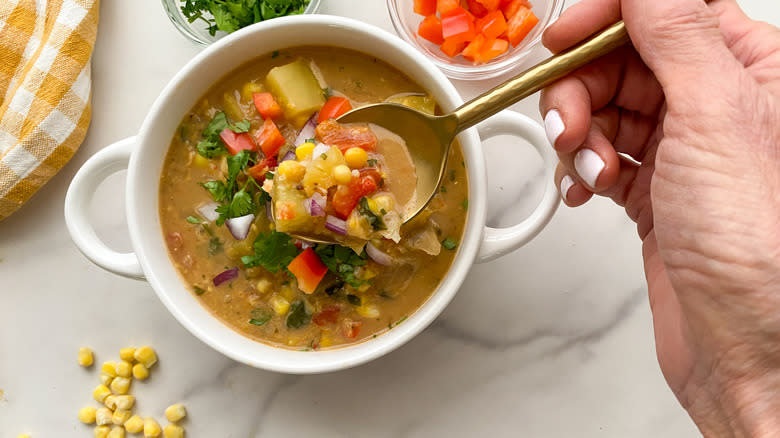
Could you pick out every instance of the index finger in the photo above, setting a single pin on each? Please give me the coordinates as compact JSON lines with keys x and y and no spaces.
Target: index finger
{"x":579,"y":22}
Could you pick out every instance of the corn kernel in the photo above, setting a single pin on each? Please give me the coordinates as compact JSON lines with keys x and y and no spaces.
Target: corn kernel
{"x":120,"y":385}
{"x":384,"y":202}
{"x":248,"y":89}
{"x":109,"y":368}
{"x":110,"y":402}
{"x":151,"y":428}
{"x":304,"y":150}
{"x":175,"y":412}
{"x":263,"y":286}
{"x":326,"y":340}
{"x":200,"y":161}
{"x":117,"y":432}
{"x":372,"y":205}
{"x":125,"y":402}
{"x":120,"y":416}
{"x":280,"y":305}
{"x":342,"y":174}
{"x":146,"y":356}
{"x":140,"y":372}
{"x":87,"y":414}
{"x":368,"y":311}
{"x":364,"y":287}
{"x":173,"y":431}
{"x":291,"y":170}
{"x":102,"y":431}
{"x":127,"y":354}
{"x":356,"y":158}
{"x":124,"y":369}
{"x":100,"y":393}
{"x":85,"y":357}
{"x":24,"y":435}
{"x":103,"y":416}
{"x":105,"y":379}
{"x":134,"y":424}
{"x":288,"y":293}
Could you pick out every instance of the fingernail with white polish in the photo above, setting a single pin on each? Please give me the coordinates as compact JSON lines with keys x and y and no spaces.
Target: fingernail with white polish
{"x":553,"y":125}
{"x":566,"y":183}
{"x":589,"y":166}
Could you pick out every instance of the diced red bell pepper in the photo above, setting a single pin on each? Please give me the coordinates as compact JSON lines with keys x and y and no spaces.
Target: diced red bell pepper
{"x":346,"y":197}
{"x":333,"y":108}
{"x":308,"y":269}
{"x":473,"y":51}
{"x":492,"y":25}
{"x":520,"y":25}
{"x":269,"y":138}
{"x":511,"y":7}
{"x":266,"y":105}
{"x":444,"y":7}
{"x":458,"y":25}
{"x":476,"y":8}
{"x":425,"y":7}
{"x":237,"y":142}
{"x":352,"y":328}
{"x":328,"y":315}
{"x":490,"y":5}
{"x":492,"y":48}
{"x":430,"y":29}
{"x":332,"y":133}
{"x":452,"y":47}
{"x":259,"y":170}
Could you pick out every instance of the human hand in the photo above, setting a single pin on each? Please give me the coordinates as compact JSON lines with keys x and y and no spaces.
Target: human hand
{"x":697,"y":102}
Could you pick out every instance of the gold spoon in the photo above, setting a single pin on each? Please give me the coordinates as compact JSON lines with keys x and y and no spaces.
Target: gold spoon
{"x":429,"y":137}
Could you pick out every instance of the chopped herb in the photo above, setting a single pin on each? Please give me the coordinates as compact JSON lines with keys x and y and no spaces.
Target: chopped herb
{"x":310,"y":140}
{"x":215,"y":246}
{"x":273,"y":251}
{"x":259,"y":317}
{"x":354,"y":300}
{"x":298,"y":317}
{"x":212,"y":146}
{"x":193,"y":220}
{"x":342,"y":261}
{"x":383,"y":211}
{"x":269,"y":175}
{"x":274,"y":54}
{"x":241,"y":205}
{"x":231,"y":15}
{"x":449,"y":244}
{"x":452,"y":175}
{"x":327,"y":92}
{"x":443,"y":189}
{"x":198,"y":290}
{"x":324,"y":156}
{"x":374,"y":219}
{"x":242,"y":126}
{"x":217,"y":189}
{"x":465,"y":204}
{"x":371,"y":162}
{"x":395,"y":324}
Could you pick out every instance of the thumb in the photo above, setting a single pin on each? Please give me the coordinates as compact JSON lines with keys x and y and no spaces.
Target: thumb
{"x":681,"y":42}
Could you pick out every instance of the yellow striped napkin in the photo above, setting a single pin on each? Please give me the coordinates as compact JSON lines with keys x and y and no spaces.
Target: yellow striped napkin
{"x":45,"y":52}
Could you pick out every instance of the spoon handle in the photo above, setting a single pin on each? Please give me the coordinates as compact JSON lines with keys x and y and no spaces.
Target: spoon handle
{"x":540,"y":76}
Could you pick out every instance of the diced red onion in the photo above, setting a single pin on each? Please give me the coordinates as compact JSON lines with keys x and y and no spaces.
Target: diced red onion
{"x":320,"y":149}
{"x":290,"y":155}
{"x":307,"y":131}
{"x":315,"y":205}
{"x":377,"y":255}
{"x":239,"y":226}
{"x":338,"y":226}
{"x":225,"y":276}
{"x":209,"y":211}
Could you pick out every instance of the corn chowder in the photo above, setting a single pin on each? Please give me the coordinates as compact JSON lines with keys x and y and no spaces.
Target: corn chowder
{"x":261,"y":158}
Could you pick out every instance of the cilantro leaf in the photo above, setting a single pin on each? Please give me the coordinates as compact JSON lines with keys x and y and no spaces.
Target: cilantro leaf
{"x":242,"y":126}
{"x":342,"y":261}
{"x":241,"y":205}
{"x":260,"y":317}
{"x":449,"y":244}
{"x":216,"y":125}
{"x":218,"y":190}
{"x":374,"y":219}
{"x":273,"y":251}
{"x":298,"y":316}
{"x":211,"y":148}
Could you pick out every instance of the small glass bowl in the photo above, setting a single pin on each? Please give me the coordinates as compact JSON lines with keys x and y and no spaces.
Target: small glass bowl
{"x":406,"y":22}
{"x":197,"y":31}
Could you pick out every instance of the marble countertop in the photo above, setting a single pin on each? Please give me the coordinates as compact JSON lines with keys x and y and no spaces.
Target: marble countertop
{"x":553,"y":340}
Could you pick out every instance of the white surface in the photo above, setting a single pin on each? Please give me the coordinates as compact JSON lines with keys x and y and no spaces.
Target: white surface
{"x":553,"y":340}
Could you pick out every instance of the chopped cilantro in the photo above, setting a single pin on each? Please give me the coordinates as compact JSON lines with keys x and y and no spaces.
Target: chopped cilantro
{"x":241,"y":205}
{"x":259,"y":317}
{"x":231,"y":15}
{"x":371,"y":162}
{"x":298,"y":316}
{"x":217,"y":189}
{"x":193,"y":220}
{"x":374,"y":219}
{"x":354,"y":300}
{"x":212,"y":146}
{"x":452,"y":175}
{"x":269,"y":175}
{"x":342,"y":261}
{"x":449,"y":244}
{"x":465,"y":204}
{"x":215,"y":246}
{"x":198,"y":290}
{"x":443,"y":189}
{"x":273,"y":251}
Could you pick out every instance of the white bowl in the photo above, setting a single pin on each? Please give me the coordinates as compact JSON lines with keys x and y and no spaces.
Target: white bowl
{"x":146,"y":152}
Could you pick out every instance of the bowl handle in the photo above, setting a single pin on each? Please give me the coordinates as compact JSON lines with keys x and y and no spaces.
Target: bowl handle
{"x":109,"y":160}
{"x":497,"y":242}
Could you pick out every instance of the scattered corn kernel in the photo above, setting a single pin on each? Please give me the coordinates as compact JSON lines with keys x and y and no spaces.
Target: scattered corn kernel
{"x":173,"y":431}
{"x":103,"y":416}
{"x":384,"y":202}
{"x":146,"y":356}
{"x":124,"y":369}
{"x":125,"y":402}
{"x":280,"y":305}
{"x":100,"y":393}
{"x":87,"y":414}
{"x":263,"y":286}
{"x":342,"y":174}
{"x":248,"y":89}
{"x":120,"y":416}
{"x":140,"y":372}
{"x":24,"y":435}
{"x":200,"y":161}
{"x":134,"y":424}
{"x":151,"y":428}
{"x":109,"y":368}
{"x":292,"y":170}
{"x":326,"y":340}
{"x":127,"y":354}
{"x":110,"y":402}
{"x":288,"y":293}
{"x":117,"y":432}
{"x":102,"y":431}
{"x":175,"y":412}
{"x":304,"y":150}
{"x":85,"y":357}
{"x":356,"y":158}
{"x":105,"y":379}
{"x":368,"y":311}
{"x":120,"y":385}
